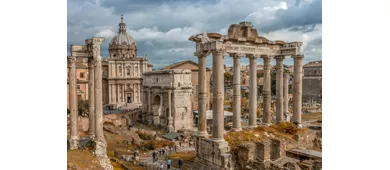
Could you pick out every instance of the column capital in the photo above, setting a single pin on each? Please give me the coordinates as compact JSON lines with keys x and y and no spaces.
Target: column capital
{"x":201,"y":54}
{"x":265,"y":57}
{"x":251,"y":56}
{"x":279,"y":57}
{"x":71,"y":61}
{"x":218,"y":51}
{"x":236,"y":55}
{"x":298,"y":56}
{"x":97,"y":40}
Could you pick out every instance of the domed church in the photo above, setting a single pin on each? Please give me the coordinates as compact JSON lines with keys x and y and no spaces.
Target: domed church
{"x":125,"y":69}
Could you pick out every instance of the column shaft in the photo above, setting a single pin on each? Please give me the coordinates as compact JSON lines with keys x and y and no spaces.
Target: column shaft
{"x":91,"y":101}
{"x":267,"y":90}
{"x":236,"y":93}
{"x":297,"y":96}
{"x":252,"y":92}
{"x":202,"y":95}
{"x":285,"y":93}
{"x":218,"y":96}
{"x":73,"y":103}
{"x":170,"y":119}
{"x":279,"y":88}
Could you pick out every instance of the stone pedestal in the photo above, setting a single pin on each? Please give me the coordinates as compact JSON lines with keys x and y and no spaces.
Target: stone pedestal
{"x":297,"y":94}
{"x":267,"y":91}
{"x":212,"y":155}
{"x":73,"y":141}
{"x":236,"y":93}
{"x":252,"y":92}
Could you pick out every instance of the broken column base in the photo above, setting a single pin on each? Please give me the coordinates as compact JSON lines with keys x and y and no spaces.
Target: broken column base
{"x":73,"y":142}
{"x":101,"y":155}
{"x":212,"y":155}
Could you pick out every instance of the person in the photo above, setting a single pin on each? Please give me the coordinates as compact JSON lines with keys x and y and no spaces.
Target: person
{"x":154,"y":156}
{"x":135,"y":155}
{"x":180,"y":143}
{"x":161,"y":166}
{"x":180,"y":163}
{"x":159,"y":151}
{"x":175,"y":148}
{"x":169,"y":163}
{"x":163,"y":151}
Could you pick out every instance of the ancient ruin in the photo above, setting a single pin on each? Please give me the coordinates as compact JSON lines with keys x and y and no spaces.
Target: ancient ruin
{"x":242,"y":40}
{"x":167,"y":99}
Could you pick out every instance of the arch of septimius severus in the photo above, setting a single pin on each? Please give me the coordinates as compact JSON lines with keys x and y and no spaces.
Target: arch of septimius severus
{"x":242,"y":40}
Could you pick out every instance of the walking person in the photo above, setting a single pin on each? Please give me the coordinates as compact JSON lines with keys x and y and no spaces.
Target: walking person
{"x":180,"y":163}
{"x":169,"y":163}
{"x":161,"y":166}
{"x":154,"y":156}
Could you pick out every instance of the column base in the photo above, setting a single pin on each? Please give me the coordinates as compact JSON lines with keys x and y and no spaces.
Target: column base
{"x":251,"y":126}
{"x":299,"y":125}
{"x":101,"y":155}
{"x":266,"y":124}
{"x":91,"y":136}
{"x":212,"y":155}
{"x":218,"y":140}
{"x":238,"y":129}
{"x":203,"y":133}
{"x":74,"y":142}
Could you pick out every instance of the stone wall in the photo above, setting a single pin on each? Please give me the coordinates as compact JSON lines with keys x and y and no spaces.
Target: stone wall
{"x":311,"y":88}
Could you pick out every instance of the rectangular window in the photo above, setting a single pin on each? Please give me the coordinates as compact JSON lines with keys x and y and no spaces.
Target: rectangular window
{"x":81,"y":75}
{"x":78,"y":87}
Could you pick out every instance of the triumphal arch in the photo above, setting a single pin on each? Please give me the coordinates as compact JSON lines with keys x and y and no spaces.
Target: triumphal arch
{"x":242,"y":40}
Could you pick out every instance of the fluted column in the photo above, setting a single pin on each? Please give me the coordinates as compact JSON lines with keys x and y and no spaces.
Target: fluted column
{"x":267,"y":90}
{"x":252,"y":91}
{"x":150,"y":117}
{"x":279,"y":88}
{"x":202,"y":96}
{"x":297,"y":91}
{"x":236,"y":93}
{"x":74,"y":138}
{"x":91,"y":96}
{"x":218,"y":96}
{"x":286,"y":80}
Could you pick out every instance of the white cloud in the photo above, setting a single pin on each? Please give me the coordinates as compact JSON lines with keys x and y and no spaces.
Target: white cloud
{"x":106,"y":33}
{"x":281,"y":5}
{"x":173,"y":35}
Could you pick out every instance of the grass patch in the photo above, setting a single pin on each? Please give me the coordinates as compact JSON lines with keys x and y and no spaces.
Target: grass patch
{"x":144,"y":136}
{"x":236,"y":138}
{"x":186,"y":156}
{"x":83,"y":159}
{"x":117,"y":166}
{"x":154,"y":144}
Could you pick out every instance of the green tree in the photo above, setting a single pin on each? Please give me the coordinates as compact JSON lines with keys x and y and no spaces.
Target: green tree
{"x":83,"y":108}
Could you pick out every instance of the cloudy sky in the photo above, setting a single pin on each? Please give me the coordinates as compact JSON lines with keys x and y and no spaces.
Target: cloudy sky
{"x":161,"y":28}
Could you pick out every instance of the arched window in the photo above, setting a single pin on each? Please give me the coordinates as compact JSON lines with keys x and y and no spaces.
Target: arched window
{"x":128,"y":72}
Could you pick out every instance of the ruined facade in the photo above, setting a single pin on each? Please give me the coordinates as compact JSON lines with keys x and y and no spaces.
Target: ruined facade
{"x":194,"y":67}
{"x":312,"y":81}
{"x":168,"y":99}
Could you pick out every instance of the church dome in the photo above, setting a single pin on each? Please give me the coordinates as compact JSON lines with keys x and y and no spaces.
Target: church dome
{"x":122,"y":38}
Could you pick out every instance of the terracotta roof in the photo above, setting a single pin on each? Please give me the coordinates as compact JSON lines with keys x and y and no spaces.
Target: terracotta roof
{"x":174,"y":65}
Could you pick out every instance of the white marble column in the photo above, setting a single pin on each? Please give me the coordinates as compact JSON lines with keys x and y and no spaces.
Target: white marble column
{"x":297,"y":91}
{"x":285,"y":93}
{"x":74,"y":137}
{"x":279,"y":88}
{"x":117,"y":93}
{"x":202,"y":95}
{"x":267,"y":90}
{"x":109,"y":93}
{"x":236,"y":92}
{"x":150,"y":114}
{"x":91,"y":100}
{"x":218,"y":96}
{"x":252,"y":91}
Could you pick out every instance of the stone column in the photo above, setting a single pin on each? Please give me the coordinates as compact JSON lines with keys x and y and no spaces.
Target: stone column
{"x":297,"y":91}
{"x":109,"y":93}
{"x":267,"y":90}
{"x":285,"y":93}
{"x":170,"y":119}
{"x":91,"y":101}
{"x":117,"y":93}
{"x":236,"y":93}
{"x":279,"y":88}
{"x":74,"y":138}
{"x":218,"y":96}
{"x":252,"y":92}
{"x":202,"y":96}
{"x":150,"y":117}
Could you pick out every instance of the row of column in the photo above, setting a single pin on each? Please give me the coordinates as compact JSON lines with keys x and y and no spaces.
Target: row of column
{"x":218,"y":92}
{"x":95,"y":98}
{"x":117,"y":93}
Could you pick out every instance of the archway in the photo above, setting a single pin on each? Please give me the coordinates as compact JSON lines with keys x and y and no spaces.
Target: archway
{"x":156,"y":109}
